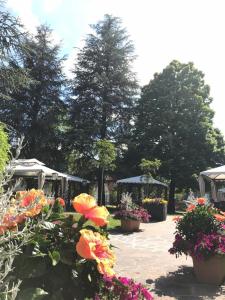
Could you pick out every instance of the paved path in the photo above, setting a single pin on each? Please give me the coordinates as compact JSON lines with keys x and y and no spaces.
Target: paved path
{"x":144,"y":256}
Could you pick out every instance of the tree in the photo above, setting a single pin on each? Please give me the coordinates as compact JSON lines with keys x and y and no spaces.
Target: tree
{"x":106,"y":155}
{"x":175,"y":124}
{"x":36,"y":110}
{"x":149,"y":167}
{"x":103,"y":89}
{"x":11,"y":45}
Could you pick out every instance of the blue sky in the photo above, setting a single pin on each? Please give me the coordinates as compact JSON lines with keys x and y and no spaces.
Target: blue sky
{"x":162,"y":30}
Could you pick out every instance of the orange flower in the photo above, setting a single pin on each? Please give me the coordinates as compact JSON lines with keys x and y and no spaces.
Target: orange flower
{"x":177,"y":219}
{"x":219,"y":217}
{"x":94,"y":246}
{"x":61,"y":201}
{"x":105,"y":267}
{"x":29,"y":197}
{"x":201,"y":201}
{"x":191,"y":207}
{"x":83,"y":203}
{"x":98,"y":215}
{"x":11,"y":220}
{"x":34,"y":211}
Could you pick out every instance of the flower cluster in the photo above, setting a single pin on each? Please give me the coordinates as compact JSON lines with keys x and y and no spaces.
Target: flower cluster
{"x":64,"y":244}
{"x":138,"y":213}
{"x":117,"y":288}
{"x":200,"y":232}
{"x":94,"y":246}
{"x":156,"y":201}
{"x":25,"y":204}
{"x":86,"y":205}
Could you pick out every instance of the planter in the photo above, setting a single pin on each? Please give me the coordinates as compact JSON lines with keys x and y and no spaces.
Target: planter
{"x":130,"y":225}
{"x":211,"y":271}
{"x":158,"y":212}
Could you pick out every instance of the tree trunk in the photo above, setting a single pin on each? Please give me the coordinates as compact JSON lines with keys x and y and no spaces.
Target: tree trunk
{"x":101,"y":186}
{"x":171,"y":203}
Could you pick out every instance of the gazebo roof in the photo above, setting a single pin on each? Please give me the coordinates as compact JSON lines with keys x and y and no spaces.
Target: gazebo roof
{"x":215,"y":173}
{"x":33,"y":167}
{"x":143,"y":179}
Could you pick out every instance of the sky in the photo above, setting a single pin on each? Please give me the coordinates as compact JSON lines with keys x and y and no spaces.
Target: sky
{"x":162,"y":30}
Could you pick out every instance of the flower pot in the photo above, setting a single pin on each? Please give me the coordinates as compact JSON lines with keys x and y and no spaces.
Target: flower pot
{"x":130,"y":225}
{"x":211,"y":271}
{"x":158,"y":212}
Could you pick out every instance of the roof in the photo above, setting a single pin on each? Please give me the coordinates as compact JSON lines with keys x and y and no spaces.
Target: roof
{"x":33,"y":167}
{"x":143,"y":179}
{"x":215,"y":173}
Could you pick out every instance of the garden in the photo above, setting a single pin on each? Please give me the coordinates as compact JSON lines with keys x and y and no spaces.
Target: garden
{"x":102,"y":190}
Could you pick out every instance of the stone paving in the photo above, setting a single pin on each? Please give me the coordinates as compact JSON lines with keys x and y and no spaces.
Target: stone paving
{"x":144,"y":256}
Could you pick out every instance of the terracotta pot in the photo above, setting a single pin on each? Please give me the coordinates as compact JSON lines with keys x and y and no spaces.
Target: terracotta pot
{"x":210,"y":271}
{"x":130,"y":225}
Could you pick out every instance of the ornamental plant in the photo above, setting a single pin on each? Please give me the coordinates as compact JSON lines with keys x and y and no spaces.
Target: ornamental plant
{"x":65,"y":257}
{"x":155,"y":201}
{"x":118,"y":288}
{"x":200,"y":232}
{"x":130,"y":211}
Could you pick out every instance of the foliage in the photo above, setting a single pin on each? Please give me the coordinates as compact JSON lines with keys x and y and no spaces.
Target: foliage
{"x":155,"y":201}
{"x":106,"y":155}
{"x":63,"y":258}
{"x":36,"y":109}
{"x":116,"y":288}
{"x":103,"y":93}
{"x":11,"y":45}
{"x":175,"y":125}
{"x":4,"y":148}
{"x":149,"y":166}
{"x":126,"y":201}
{"x":201,"y":232}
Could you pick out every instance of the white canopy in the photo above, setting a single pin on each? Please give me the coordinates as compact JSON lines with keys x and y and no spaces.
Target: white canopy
{"x":215,"y":173}
{"x":35,"y":168}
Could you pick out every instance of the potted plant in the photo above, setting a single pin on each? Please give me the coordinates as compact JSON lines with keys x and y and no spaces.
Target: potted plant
{"x":200,"y":233}
{"x":130,"y":214}
{"x":157,"y":207}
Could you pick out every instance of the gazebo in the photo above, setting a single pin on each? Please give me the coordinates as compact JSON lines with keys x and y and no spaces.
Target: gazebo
{"x":35,"y":174}
{"x":140,"y":187}
{"x":216,"y":178}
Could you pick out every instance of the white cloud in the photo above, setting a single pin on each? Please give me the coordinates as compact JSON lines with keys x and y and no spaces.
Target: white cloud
{"x":23,"y":8}
{"x":50,"y":6}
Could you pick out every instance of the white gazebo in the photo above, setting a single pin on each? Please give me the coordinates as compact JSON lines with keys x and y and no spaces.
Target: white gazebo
{"x":33,"y":168}
{"x":213,"y":176}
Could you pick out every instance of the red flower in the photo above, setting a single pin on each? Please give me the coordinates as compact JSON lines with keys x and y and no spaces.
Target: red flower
{"x":201,"y":201}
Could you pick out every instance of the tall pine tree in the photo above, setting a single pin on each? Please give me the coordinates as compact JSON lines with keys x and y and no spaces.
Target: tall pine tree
{"x":103,"y":89}
{"x":36,"y":109}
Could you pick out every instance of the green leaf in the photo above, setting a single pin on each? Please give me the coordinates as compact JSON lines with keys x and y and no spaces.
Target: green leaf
{"x":30,"y":267}
{"x":32,"y":294}
{"x":55,"y":257}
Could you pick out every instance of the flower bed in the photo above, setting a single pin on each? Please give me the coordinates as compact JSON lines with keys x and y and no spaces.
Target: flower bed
{"x":63,"y":258}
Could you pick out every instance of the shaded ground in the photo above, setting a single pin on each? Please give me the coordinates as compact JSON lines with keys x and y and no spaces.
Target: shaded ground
{"x":144,"y":256}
